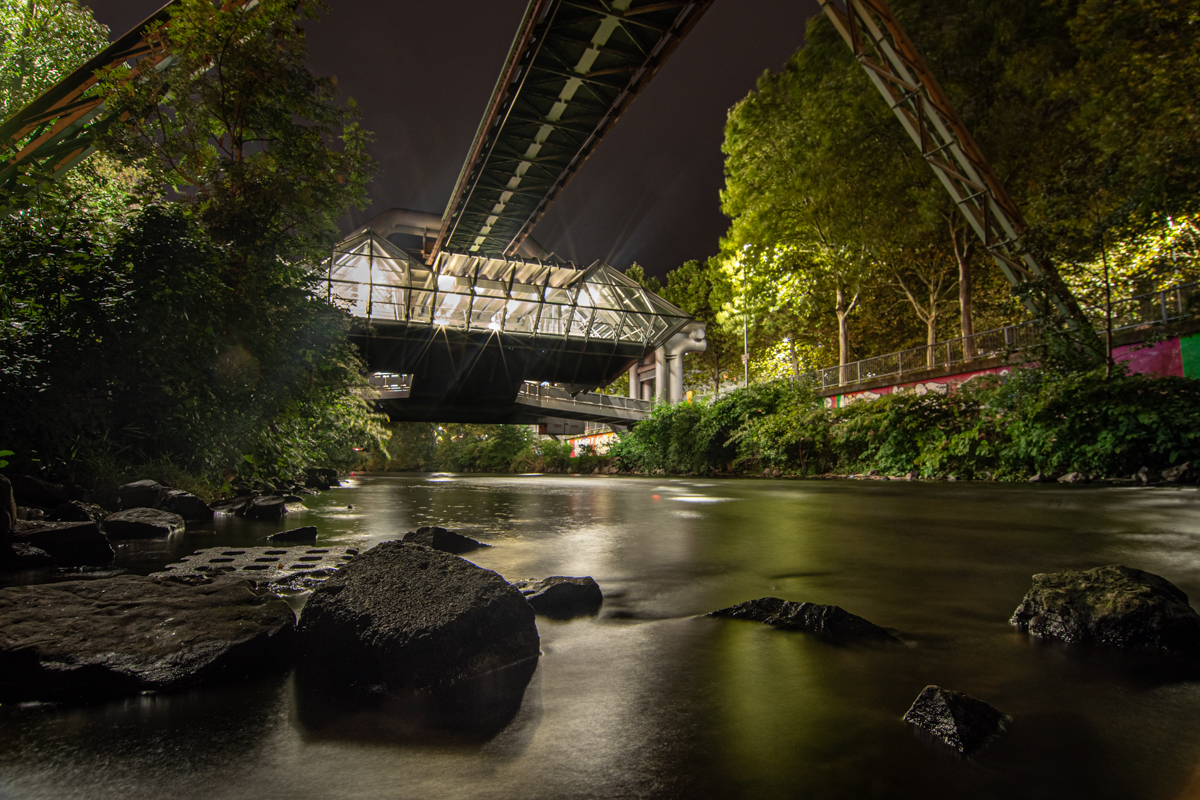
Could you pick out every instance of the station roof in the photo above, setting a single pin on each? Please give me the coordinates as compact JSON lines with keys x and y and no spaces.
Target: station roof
{"x":377,"y":281}
{"x":573,"y":69}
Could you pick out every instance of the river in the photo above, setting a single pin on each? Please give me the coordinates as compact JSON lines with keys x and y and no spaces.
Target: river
{"x":652,"y":699}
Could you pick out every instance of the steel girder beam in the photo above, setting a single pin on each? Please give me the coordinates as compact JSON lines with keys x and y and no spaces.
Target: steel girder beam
{"x":573,"y":70}
{"x":58,"y":129}
{"x":896,"y":68}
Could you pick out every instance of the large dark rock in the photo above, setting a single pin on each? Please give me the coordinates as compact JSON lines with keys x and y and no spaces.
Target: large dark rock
{"x":117,"y":636}
{"x":442,"y":539}
{"x":561,"y":597}
{"x":8,"y":512}
{"x":320,"y":478}
{"x":959,"y":720}
{"x":68,"y":543}
{"x":308,"y":533}
{"x":185,"y":504}
{"x":830,"y":622}
{"x":31,"y":491}
{"x":404,"y":616}
{"x":140,"y":494}
{"x":142,"y":523}
{"x":77,"y":511}
{"x":1113,"y":605}
{"x":268,"y":506}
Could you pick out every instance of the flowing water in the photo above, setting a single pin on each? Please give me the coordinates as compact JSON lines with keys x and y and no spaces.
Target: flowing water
{"x":652,"y":699}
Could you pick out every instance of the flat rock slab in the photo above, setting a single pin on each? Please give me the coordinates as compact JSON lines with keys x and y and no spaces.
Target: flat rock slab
{"x":830,"y":622}
{"x":308,"y":533}
{"x":68,"y":543}
{"x":404,"y":616}
{"x":117,"y":636}
{"x":959,"y":720}
{"x":142,"y":523}
{"x":1114,"y":605}
{"x":562,"y":597}
{"x":263,"y":565}
{"x":444,"y":540}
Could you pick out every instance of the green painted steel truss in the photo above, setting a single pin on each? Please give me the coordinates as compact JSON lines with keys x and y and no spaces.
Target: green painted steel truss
{"x":574,"y":68}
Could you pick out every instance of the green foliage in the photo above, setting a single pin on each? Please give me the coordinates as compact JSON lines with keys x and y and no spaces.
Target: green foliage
{"x":187,"y":334}
{"x":39,"y":43}
{"x":1035,"y":420}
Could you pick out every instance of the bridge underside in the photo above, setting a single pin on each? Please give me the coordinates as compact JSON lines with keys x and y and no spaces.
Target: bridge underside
{"x":472,"y":376}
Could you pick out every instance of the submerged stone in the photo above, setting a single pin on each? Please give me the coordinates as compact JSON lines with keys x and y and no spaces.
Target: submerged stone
{"x":442,"y":539}
{"x":830,"y":622}
{"x":961,"y":721}
{"x":1113,"y":605}
{"x":403,"y":616}
{"x":562,"y":597}
{"x":123,"y":635}
{"x":308,"y":533}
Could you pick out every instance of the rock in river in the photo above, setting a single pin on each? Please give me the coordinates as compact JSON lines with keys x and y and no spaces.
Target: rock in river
{"x":185,"y":504}
{"x":140,"y":494}
{"x":142,"y":523}
{"x":306,"y":534}
{"x":117,"y":636}
{"x":1113,"y":605}
{"x":68,"y":543}
{"x":268,"y":506}
{"x":959,"y":720}
{"x":830,"y":622}
{"x":562,"y":597}
{"x":403,"y":616}
{"x":442,"y":539}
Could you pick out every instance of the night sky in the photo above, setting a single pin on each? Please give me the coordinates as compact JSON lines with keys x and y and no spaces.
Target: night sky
{"x":423,"y":72}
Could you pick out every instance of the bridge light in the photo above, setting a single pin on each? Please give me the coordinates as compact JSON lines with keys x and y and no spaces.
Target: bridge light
{"x":494,"y":326}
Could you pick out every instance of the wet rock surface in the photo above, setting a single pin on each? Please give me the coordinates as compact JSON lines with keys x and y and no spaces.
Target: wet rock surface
{"x":68,"y":543}
{"x":185,"y":504}
{"x":116,"y":636}
{"x":562,"y":597}
{"x":1113,"y":605}
{"x":961,"y":721}
{"x":308,"y":533}
{"x":441,"y":539}
{"x":404,"y":616}
{"x":142,"y":523}
{"x":8,"y":512}
{"x":830,"y":622}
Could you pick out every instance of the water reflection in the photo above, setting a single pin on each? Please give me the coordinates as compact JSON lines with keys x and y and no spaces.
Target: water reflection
{"x":651,"y":699}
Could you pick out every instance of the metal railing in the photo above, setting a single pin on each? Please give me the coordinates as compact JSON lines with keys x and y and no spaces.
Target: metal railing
{"x":1151,"y":308}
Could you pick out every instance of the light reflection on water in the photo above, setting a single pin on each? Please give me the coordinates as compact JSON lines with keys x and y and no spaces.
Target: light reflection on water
{"x":652,"y":700}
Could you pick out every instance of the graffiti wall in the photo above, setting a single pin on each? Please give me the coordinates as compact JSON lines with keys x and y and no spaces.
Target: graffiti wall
{"x":1178,"y":356}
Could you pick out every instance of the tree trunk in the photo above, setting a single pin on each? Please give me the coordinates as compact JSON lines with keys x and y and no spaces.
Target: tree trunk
{"x":962,"y":254}
{"x":843,"y":335}
{"x":931,"y":338}
{"x":794,"y":359}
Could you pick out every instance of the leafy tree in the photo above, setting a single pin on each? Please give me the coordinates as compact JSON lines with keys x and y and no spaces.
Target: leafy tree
{"x":701,"y":289}
{"x":40,"y":42}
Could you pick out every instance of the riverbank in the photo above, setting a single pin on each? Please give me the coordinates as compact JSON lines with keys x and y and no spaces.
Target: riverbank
{"x":1030,"y":425}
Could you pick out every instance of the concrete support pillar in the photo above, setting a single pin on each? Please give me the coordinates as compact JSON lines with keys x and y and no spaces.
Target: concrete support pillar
{"x":635,"y":382}
{"x":669,"y":361}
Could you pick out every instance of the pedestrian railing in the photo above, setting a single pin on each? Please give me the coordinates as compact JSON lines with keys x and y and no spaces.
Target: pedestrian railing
{"x":1168,"y":305}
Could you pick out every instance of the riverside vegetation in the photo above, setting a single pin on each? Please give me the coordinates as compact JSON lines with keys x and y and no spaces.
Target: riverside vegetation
{"x":991,"y":428}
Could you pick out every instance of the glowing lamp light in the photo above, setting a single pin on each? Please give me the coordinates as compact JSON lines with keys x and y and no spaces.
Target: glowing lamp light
{"x":494,"y":326}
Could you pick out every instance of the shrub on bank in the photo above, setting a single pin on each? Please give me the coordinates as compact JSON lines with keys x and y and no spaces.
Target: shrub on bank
{"x":1031,"y":421}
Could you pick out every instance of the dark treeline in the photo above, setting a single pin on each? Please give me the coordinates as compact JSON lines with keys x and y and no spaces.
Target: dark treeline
{"x":159,"y":308}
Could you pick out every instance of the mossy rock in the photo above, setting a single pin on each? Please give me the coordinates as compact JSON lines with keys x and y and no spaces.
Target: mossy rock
{"x":1114,"y":605}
